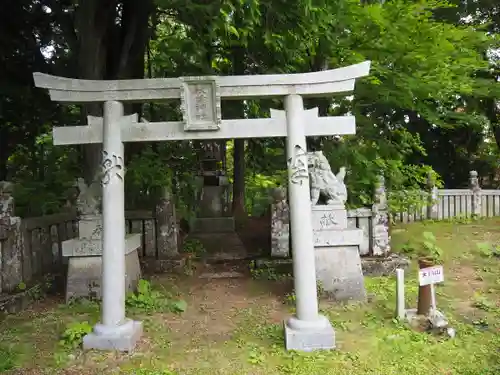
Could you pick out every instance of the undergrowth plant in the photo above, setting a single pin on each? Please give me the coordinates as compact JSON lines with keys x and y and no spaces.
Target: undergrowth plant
{"x":194,"y":246}
{"x":425,"y":248}
{"x":7,"y":358}
{"x":72,"y":336}
{"x":489,"y":250}
{"x":148,"y":299}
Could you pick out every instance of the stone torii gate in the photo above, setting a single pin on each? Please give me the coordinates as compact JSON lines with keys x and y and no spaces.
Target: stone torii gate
{"x":201,"y":108}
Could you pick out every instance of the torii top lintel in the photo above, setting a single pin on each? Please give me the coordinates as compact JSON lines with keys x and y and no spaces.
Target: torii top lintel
{"x":321,"y":83}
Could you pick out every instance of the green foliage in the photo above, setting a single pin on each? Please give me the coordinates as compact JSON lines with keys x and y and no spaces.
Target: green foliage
{"x":267,"y":272}
{"x":149,"y":300}
{"x":72,"y":336}
{"x":429,"y":100}
{"x":193,"y":246}
{"x":43,"y":175}
{"x":426,"y":248}
{"x":7,"y":358}
{"x":257,"y":191}
{"x":489,"y":250}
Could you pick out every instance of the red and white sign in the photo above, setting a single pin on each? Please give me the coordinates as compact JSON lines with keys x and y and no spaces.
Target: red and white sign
{"x":431,"y":275}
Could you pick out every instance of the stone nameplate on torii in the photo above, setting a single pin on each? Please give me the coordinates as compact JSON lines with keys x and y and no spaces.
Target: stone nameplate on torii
{"x":200,"y":104}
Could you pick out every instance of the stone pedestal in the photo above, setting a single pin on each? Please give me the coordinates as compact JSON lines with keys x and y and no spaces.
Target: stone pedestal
{"x":307,"y":338}
{"x":336,"y":249}
{"x":85,"y":260}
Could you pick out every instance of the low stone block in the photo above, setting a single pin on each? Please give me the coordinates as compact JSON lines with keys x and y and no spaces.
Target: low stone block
{"x":123,"y":339}
{"x":80,"y":247}
{"x":345,"y":237}
{"x":85,"y":276}
{"x":308,"y":340}
{"x":340,"y":273}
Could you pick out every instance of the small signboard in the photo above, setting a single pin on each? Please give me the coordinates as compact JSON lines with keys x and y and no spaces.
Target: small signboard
{"x":431,"y":275}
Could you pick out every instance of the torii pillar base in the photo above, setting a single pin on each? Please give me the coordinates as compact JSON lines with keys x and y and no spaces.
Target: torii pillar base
{"x":309,"y":336}
{"x":122,"y":338}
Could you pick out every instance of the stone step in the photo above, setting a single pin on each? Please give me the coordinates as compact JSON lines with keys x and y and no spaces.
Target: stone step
{"x":222,"y":275}
{"x":234,"y":270}
{"x":213,"y":225}
{"x":221,"y":247}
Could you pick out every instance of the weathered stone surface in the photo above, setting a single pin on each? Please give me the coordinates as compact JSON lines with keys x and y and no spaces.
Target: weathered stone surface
{"x":339,"y":271}
{"x":326,"y":218}
{"x":200,"y":103}
{"x":82,"y":247}
{"x":85,"y":275}
{"x":280,"y":224}
{"x":433,"y":198}
{"x":213,"y":225}
{"x":381,"y":241}
{"x":11,"y":241}
{"x":338,"y":237}
{"x":166,"y":227}
{"x":89,"y":199}
{"x":476,"y":194}
{"x":385,"y":266}
{"x":152,"y":265}
{"x":212,"y":202}
{"x":324,"y":183}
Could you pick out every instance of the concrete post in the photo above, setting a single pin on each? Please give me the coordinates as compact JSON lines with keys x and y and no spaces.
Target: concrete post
{"x":308,"y":330}
{"x":400,"y":293}
{"x":114,"y":332}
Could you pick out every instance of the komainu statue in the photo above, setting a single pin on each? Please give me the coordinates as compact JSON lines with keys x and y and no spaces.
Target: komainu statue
{"x":324,"y":183}
{"x":89,"y":198}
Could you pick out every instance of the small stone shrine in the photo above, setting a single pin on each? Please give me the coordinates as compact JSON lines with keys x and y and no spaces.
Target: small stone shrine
{"x":84,"y":253}
{"x":214,"y":214}
{"x":336,"y":248}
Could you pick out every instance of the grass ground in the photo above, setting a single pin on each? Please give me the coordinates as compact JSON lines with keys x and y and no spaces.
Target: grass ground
{"x":235,"y":326}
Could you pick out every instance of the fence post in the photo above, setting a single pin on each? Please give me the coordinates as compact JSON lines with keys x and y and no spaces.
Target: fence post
{"x":166,"y":227}
{"x":11,"y":241}
{"x":280,"y":224}
{"x":476,"y":193}
{"x":432,"y":202}
{"x":381,"y":241}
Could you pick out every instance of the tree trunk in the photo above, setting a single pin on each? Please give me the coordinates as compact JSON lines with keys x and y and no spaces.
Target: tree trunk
{"x":239,"y":179}
{"x":239,"y":211}
{"x":94,"y":18}
{"x":109,"y":51}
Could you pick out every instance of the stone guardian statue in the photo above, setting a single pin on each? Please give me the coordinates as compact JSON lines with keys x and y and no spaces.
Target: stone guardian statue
{"x":324,"y":183}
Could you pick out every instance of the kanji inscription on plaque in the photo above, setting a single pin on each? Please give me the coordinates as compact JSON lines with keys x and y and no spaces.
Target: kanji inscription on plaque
{"x":200,"y":103}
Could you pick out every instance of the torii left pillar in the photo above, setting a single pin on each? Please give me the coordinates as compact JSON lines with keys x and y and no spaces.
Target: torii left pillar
{"x":115,"y":331}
